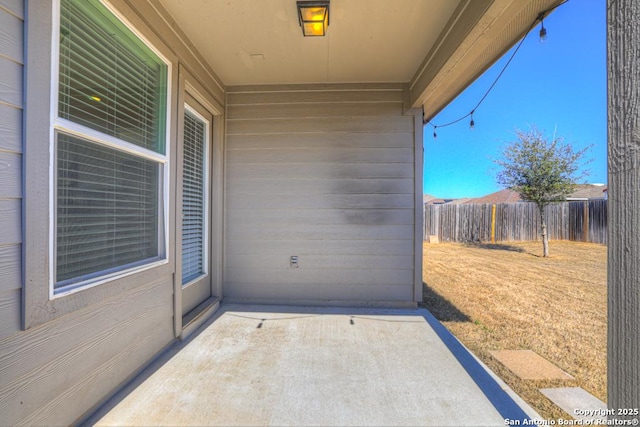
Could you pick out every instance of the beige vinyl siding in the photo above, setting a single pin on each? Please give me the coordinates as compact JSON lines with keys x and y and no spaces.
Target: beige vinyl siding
{"x":14,"y":7}
{"x":59,"y":371}
{"x":324,"y":173}
{"x":10,"y":261}
{"x":11,"y":83}
{"x":53,"y":373}
{"x":11,"y":105}
{"x":10,"y":128}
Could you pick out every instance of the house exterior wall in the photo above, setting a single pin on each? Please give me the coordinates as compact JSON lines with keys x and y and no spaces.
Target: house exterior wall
{"x":327,"y":174}
{"x":57,"y":371}
{"x":11,"y":105}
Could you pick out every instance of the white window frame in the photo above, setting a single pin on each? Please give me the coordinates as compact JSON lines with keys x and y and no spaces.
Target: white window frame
{"x":206,"y":195}
{"x":69,"y":127}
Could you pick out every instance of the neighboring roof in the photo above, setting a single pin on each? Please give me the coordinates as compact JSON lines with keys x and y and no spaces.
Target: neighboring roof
{"x":431,"y":200}
{"x":589,"y":191}
{"x":436,"y":201}
{"x":460,"y":201}
{"x":502,"y":196}
{"x":426,"y":198}
{"x":583,"y":191}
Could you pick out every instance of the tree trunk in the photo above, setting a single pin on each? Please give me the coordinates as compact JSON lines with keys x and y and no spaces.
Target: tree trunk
{"x":543,"y":226}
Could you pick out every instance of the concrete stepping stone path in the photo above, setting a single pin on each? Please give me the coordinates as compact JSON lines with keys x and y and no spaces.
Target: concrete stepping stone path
{"x":577,"y":402}
{"x":528,"y":365}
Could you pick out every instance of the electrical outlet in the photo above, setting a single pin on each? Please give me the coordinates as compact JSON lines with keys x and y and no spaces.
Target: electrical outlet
{"x":293,"y":261}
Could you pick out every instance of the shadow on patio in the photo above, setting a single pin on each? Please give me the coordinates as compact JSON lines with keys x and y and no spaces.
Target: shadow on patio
{"x":275,"y":365}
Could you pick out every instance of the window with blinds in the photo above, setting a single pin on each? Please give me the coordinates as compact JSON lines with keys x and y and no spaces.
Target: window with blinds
{"x":109,"y":80}
{"x":193,"y":197}
{"x":107,"y":208}
{"x":112,"y":92}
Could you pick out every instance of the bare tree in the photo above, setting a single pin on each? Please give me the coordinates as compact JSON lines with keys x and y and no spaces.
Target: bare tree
{"x":542,"y":171}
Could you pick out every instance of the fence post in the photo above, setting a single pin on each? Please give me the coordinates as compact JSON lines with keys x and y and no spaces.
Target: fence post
{"x":424,"y":221}
{"x":585,"y":221}
{"x":493,"y":223}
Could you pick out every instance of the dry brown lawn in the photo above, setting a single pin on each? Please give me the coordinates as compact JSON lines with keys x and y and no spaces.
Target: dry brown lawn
{"x":508,"y":297}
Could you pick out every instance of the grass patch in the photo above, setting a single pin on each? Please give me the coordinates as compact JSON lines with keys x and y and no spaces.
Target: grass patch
{"x":508,"y":297}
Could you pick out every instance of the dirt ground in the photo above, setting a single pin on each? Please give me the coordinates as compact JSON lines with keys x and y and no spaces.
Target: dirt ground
{"x":508,"y":297}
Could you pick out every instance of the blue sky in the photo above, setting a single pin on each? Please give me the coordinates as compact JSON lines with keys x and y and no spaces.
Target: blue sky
{"x":557,"y":85}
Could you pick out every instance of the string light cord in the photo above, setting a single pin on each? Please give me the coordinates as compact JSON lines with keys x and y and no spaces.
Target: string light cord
{"x":543,"y":32}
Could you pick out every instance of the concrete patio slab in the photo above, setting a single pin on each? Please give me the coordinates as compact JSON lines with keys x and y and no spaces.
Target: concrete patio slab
{"x":268,"y":365}
{"x":578,"y":403}
{"x":529,"y":365}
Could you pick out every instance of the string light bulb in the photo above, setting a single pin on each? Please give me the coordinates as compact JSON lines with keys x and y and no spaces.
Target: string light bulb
{"x":543,"y":32}
{"x":472,"y":124}
{"x":435,"y":135}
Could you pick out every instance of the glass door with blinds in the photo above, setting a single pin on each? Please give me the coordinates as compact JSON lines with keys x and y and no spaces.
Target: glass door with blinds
{"x":196,"y":197}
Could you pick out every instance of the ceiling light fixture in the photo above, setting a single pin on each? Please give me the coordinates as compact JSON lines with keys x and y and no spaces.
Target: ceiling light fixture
{"x":313,"y":17}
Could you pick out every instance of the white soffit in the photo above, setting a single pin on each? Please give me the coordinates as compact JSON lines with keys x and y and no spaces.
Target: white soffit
{"x":487,"y":37}
{"x":256,"y":42}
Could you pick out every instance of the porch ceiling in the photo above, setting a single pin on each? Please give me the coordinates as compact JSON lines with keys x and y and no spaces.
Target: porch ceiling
{"x":436,"y":47}
{"x":260,"y":42}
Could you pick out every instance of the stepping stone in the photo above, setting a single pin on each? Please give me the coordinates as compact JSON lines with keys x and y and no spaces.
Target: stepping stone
{"x":528,"y":365}
{"x":578,"y":403}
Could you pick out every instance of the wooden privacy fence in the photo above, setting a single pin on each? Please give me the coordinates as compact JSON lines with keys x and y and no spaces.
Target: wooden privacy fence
{"x":583,"y":221}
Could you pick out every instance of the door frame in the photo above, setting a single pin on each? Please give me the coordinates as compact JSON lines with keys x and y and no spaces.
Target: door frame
{"x":190,"y":89}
